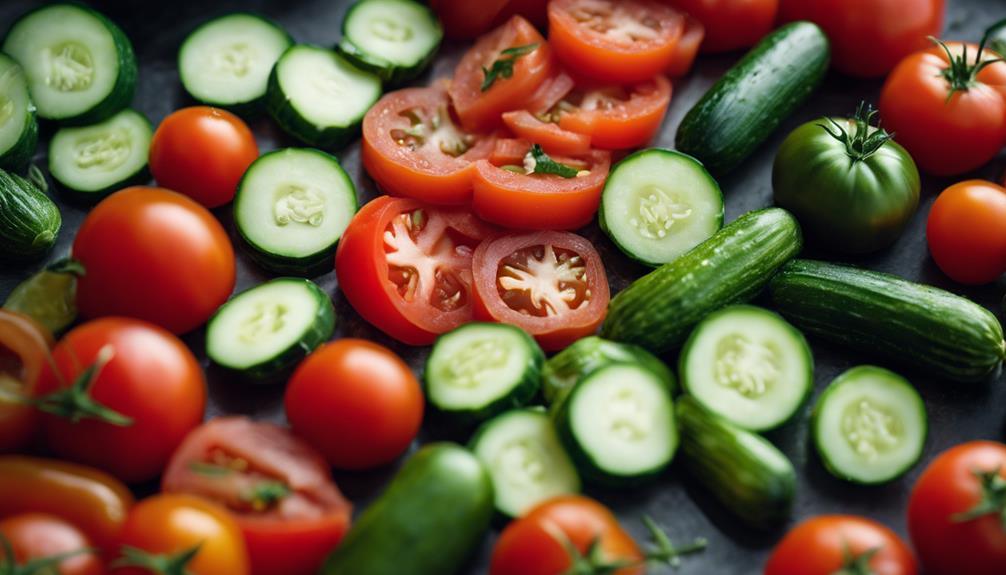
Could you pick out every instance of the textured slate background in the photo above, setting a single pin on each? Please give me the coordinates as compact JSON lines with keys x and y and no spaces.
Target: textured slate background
{"x":957,"y":412}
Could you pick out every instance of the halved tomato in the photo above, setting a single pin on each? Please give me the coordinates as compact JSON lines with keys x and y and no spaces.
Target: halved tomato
{"x":616,"y":117}
{"x":552,"y":138}
{"x":550,"y":92}
{"x":412,"y":148}
{"x":405,"y":267}
{"x":688,"y":47}
{"x":621,"y":41}
{"x":478,"y":109}
{"x":550,"y":284}
{"x":506,"y":194}
{"x":277,"y":487}
{"x":24,"y":349}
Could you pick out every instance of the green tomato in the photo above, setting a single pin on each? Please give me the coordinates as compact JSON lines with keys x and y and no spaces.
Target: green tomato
{"x":851,"y":187}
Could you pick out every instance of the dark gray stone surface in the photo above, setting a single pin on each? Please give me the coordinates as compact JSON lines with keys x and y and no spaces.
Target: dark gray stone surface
{"x":957,"y":412}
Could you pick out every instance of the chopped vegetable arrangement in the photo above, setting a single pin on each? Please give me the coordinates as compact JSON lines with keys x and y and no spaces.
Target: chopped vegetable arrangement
{"x":546,"y":374}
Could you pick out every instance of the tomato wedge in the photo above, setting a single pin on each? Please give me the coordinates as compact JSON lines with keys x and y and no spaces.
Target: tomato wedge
{"x":277,"y":487}
{"x":405,"y":267}
{"x":412,"y":148}
{"x":552,"y":138}
{"x":516,"y":199}
{"x":688,"y":48}
{"x":24,"y":347}
{"x":478,"y":109}
{"x":615,"y":117}
{"x":550,"y":284}
{"x":621,"y":41}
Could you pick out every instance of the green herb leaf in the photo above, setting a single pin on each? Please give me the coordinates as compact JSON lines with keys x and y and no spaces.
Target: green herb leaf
{"x":543,"y":164}
{"x":503,"y":68}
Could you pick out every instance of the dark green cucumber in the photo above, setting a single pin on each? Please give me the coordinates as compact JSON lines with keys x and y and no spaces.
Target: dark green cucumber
{"x":18,"y":122}
{"x":427,"y":522}
{"x":749,"y":102}
{"x":742,"y":470}
{"x":29,"y":220}
{"x":913,"y":324}
{"x":659,"y":309}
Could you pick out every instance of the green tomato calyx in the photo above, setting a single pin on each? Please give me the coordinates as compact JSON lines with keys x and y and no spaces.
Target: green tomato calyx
{"x":962,"y":73}
{"x":40,"y":566}
{"x":993,"y":501}
{"x":857,"y":564}
{"x":594,"y":561}
{"x":169,"y":564}
{"x":75,"y":402}
{"x":863,"y":140}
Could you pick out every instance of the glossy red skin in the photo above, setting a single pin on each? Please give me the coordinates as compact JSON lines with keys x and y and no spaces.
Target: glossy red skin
{"x":202,"y":152}
{"x":732,"y":24}
{"x":363,"y":272}
{"x":356,"y":402}
{"x":945,"y":137}
{"x":530,"y":545}
{"x":24,"y":347}
{"x":869,"y":37}
{"x":155,"y":255}
{"x":152,"y":378}
{"x":966,"y":232}
{"x":464,"y":19}
{"x":291,"y":539}
{"x":552,"y":333}
{"x":948,"y":487}
{"x":630,"y":124}
{"x":37,"y":536}
{"x":820,"y":546}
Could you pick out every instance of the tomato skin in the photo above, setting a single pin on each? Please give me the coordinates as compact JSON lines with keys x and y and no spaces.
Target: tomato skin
{"x":92,"y":500}
{"x":945,"y":137}
{"x":155,"y":255}
{"x":688,"y":48}
{"x":152,"y":378}
{"x":631,"y":124}
{"x":463,"y":19}
{"x":948,"y":487}
{"x":356,"y":402}
{"x":38,"y":535}
{"x":529,"y":545}
{"x":966,"y":231}
{"x":732,"y":24}
{"x":169,"y":524}
{"x":820,"y":546}
{"x":24,"y":346}
{"x":202,"y":152}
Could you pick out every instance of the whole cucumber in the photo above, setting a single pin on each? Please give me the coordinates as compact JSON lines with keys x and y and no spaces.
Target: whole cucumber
{"x":29,"y":220}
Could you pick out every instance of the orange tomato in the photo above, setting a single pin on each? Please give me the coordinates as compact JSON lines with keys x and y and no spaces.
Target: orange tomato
{"x":966,"y":231}
{"x":24,"y":347}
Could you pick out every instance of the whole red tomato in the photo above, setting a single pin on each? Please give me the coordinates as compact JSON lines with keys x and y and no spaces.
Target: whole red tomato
{"x":24,"y":347}
{"x":956,"y":510}
{"x":831,"y":544}
{"x":966,"y":231}
{"x":125,"y":395}
{"x":731,"y":24}
{"x":202,"y":152}
{"x":156,"y":255}
{"x":36,"y":537}
{"x":356,"y":402}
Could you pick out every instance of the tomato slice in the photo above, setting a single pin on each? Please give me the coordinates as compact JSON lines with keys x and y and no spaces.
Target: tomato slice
{"x":480,"y":110}
{"x":688,"y":48}
{"x":24,"y":349}
{"x":552,"y":138}
{"x":405,"y":267}
{"x":516,"y":199}
{"x":277,"y":487}
{"x":615,"y":117}
{"x":412,"y":147}
{"x":550,"y":284}
{"x":550,"y":92}
{"x":621,"y":41}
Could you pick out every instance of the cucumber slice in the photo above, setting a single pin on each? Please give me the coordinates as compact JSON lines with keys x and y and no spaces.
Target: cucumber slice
{"x":395,"y":39}
{"x":482,"y":369}
{"x":226,"y":61}
{"x":291,"y":208}
{"x":658,"y":204}
{"x":749,"y":366}
{"x":269,"y":328}
{"x":18,"y":124}
{"x":95,"y":160}
{"x":869,"y":426}
{"x":81,"y":67}
{"x":317,"y":96}
{"x":618,"y":425}
{"x":525,"y":460}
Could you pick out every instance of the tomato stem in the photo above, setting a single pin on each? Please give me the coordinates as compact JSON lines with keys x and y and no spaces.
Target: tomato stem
{"x":993,"y":501}
{"x":40,"y":566}
{"x":593,"y":562}
{"x":166,"y":564}
{"x":75,"y":402}
{"x":665,"y":552}
{"x":961,"y":74}
{"x":864,"y":140}
{"x":853,"y":564}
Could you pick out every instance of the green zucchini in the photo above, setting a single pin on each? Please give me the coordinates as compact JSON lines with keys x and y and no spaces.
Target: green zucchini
{"x":430,"y":518}
{"x":18,"y":122}
{"x":742,"y":470}
{"x":916,"y":325}
{"x":29,"y":220}
{"x":659,"y":309}
{"x":749,"y":102}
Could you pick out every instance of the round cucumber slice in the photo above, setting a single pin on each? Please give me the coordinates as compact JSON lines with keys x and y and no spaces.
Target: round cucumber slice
{"x":18,"y":125}
{"x":658,"y":204}
{"x":869,"y":425}
{"x":395,"y":39}
{"x":749,"y":366}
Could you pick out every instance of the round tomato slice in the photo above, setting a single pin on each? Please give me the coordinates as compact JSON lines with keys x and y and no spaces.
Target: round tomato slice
{"x":277,"y":487}
{"x":406,"y":267}
{"x":506,"y":194}
{"x":552,"y":138}
{"x":550,"y":284}
{"x":517,"y":75}
{"x":616,"y":117}
{"x":24,"y":347}
{"x":620,"y":41}
{"x":412,"y":148}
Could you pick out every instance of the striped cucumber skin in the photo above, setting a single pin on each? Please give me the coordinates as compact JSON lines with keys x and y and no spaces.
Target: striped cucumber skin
{"x":659,"y":309}
{"x":29,"y":220}
{"x":913,"y":324}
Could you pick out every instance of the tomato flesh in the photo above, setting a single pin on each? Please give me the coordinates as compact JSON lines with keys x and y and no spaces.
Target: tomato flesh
{"x":616,"y":117}
{"x":551,"y":137}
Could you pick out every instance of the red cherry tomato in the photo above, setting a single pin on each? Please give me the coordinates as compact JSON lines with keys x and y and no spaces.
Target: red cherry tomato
{"x":24,"y":348}
{"x":37,"y":536}
{"x":830,"y":544}
{"x":732,"y":24}
{"x":966,"y":231}
{"x":202,"y":152}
